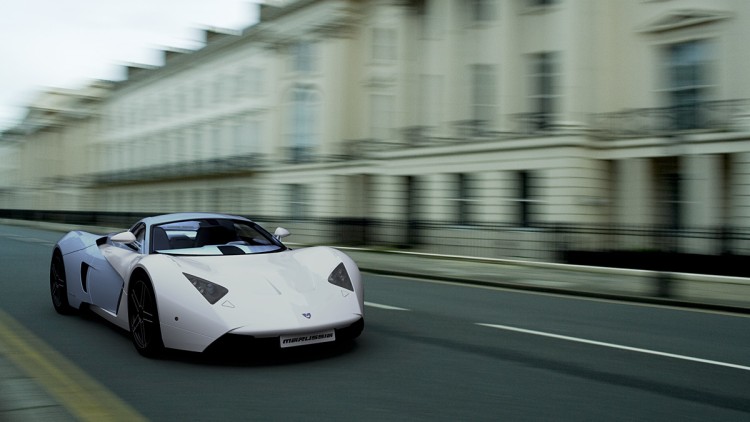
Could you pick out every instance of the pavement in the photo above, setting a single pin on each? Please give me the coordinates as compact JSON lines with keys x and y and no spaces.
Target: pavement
{"x":719,"y":293}
{"x":23,"y":398}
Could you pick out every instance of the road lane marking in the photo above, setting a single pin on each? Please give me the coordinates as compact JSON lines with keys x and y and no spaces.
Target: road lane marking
{"x":566,"y":296}
{"x":616,"y":346}
{"x":84,"y":397}
{"x":381,"y":306}
{"x":27,"y":239}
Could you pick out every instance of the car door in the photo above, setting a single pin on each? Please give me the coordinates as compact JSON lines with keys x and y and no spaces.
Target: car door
{"x":116,"y":261}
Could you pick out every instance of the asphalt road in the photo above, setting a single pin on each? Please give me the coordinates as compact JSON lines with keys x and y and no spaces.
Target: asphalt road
{"x":430,"y":351}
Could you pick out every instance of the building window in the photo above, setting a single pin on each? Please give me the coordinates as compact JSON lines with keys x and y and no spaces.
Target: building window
{"x":255,"y":82}
{"x":218,"y":87}
{"x":431,"y":99}
{"x":668,"y":192}
{"x":216,"y":138}
{"x":541,"y":3}
{"x":383,"y":44}
{"x":413,"y":209}
{"x":524,"y":199}
{"x":247,"y":137}
{"x":482,"y":10}
{"x":181,"y":100}
{"x":429,"y":19}
{"x":249,"y":82}
{"x":381,"y":116}
{"x":482,"y":95}
{"x":198,"y":98}
{"x":303,"y":57}
{"x":688,"y":82}
{"x":298,"y":207}
{"x":544,"y":96}
{"x":304,"y":135}
{"x":197,"y":144}
{"x":182,"y":147}
{"x":464,"y":199}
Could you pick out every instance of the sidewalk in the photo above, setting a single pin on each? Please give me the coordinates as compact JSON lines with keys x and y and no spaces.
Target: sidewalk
{"x":22,"y":398}
{"x":722,"y":293}
{"x":692,"y":290}
{"x":681,"y":289}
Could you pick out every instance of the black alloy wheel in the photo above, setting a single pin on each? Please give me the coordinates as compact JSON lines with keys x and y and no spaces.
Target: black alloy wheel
{"x":144,"y":319}
{"x":58,"y":285}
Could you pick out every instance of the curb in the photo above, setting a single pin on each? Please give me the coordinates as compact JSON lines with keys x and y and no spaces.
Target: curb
{"x":701,"y":278}
{"x":708,"y":278}
{"x":652,"y":300}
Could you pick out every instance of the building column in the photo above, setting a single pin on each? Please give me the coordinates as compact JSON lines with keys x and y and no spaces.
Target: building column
{"x":634,"y":199}
{"x":355,"y":189}
{"x":740,"y":189}
{"x":388,"y":209}
{"x":439,"y":199}
{"x":739,"y":199}
{"x":388,"y":198}
{"x":702,"y":201}
{"x":702,"y":190}
{"x":486,"y":201}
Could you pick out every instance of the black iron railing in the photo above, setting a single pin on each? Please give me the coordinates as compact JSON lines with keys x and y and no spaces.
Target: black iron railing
{"x":721,"y":250}
{"x":178,"y":170}
{"x":717,"y":116}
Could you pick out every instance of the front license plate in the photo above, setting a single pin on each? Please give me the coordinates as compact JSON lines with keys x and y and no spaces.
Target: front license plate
{"x":310,"y":338}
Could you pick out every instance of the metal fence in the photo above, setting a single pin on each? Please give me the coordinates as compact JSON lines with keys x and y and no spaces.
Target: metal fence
{"x":721,"y":251}
{"x":714,"y":116}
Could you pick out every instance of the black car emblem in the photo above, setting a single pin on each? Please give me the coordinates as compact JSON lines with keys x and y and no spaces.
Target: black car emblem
{"x":307,"y":315}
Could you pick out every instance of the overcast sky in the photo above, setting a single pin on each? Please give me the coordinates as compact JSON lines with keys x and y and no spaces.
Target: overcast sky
{"x":65,"y":43}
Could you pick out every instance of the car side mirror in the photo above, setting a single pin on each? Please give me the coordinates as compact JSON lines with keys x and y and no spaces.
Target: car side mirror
{"x":281,"y":232}
{"x":124,"y":237}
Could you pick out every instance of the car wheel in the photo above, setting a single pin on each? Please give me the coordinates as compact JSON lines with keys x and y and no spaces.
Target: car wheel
{"x":144,"y":318}
{"x":58,"y":285}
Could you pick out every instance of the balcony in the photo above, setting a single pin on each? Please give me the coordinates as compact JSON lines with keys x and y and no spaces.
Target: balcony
{"x":706,"y":116}
{"x":300,"y":155}
{"x":236,"y":164}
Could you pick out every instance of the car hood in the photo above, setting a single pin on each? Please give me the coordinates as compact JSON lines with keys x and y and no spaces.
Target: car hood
{"x":268,"y":294}
{"x":261,"y":274}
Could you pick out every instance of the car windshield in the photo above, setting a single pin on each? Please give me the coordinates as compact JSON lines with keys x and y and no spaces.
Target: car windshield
{"x":212,"y":236}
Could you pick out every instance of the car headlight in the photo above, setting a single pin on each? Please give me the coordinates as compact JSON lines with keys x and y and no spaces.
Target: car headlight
{"x":340,"y":277}
{"x":211,"y":291}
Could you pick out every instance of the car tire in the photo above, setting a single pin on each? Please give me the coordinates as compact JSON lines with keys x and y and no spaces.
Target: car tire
{"x":143,"y":318}
{"x":58,"y":285}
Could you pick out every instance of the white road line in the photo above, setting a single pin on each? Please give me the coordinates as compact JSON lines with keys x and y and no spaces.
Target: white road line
{"x":37,"y":241}
{"x":381,"y":306}
{"x":26,"y":239}
{"x":616,"y":346}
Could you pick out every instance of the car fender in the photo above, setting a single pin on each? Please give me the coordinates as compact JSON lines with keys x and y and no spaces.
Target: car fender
{"x":122,"y":259}
{"x":77,"y":247}
{"x":323,"y":260}
{"x":186,"y":318}
{"x":75,"y":241}
{"x":354,"y":275}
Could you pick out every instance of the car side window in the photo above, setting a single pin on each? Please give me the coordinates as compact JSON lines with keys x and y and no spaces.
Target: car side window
{"x":140,"y":235}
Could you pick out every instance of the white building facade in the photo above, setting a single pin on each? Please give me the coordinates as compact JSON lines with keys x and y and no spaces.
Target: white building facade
{"x":520,"y":114}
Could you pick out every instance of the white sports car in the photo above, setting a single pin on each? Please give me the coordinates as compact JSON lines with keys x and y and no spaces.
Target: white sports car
{"x":187,"y":281}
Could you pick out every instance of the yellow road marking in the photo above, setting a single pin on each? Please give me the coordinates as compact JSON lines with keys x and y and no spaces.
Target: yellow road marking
{"x":84,"y":397}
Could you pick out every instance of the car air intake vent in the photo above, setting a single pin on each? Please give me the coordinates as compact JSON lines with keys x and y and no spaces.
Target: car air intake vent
{"x":231,"y":250}
{"x":84,"y":276}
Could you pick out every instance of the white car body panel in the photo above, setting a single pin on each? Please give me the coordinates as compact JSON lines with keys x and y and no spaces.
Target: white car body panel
{"x":269,"y":294}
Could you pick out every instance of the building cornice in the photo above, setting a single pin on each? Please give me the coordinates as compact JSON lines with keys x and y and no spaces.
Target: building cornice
{"x":325,"y":19}
{"x":683,"y":18}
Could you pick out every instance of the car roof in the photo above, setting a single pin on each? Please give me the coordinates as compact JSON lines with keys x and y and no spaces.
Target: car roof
{"x":183,"y":216}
